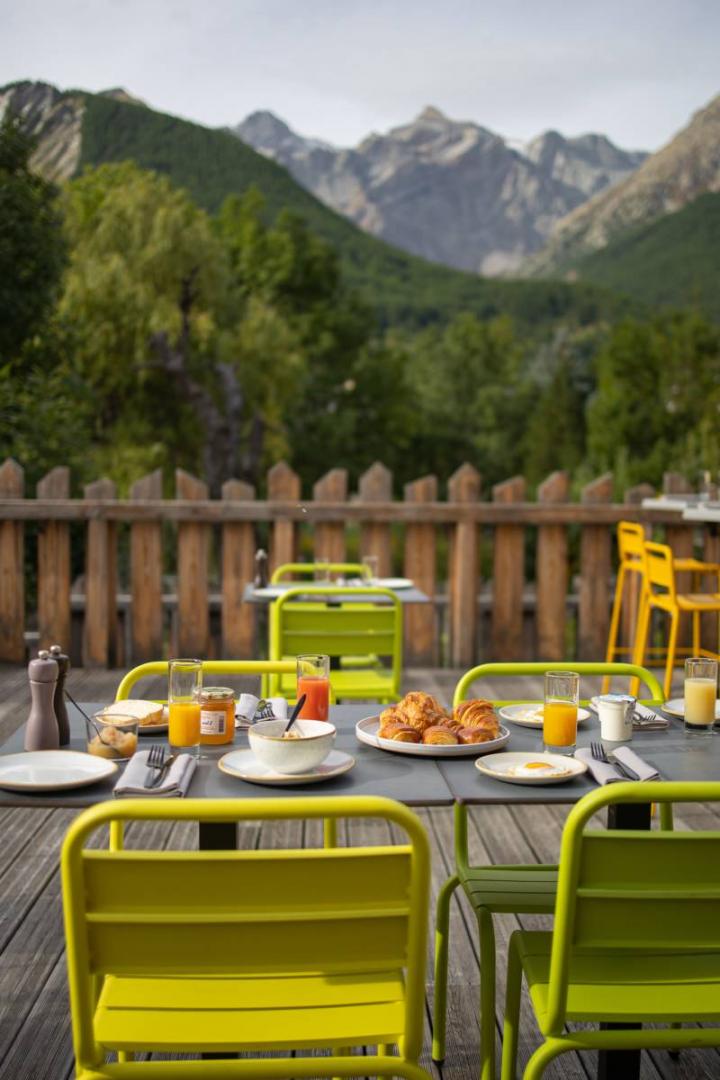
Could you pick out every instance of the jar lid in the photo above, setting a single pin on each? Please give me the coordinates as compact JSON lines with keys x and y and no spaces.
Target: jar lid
{"x":616,"y":699}
{"x":216,"y":693}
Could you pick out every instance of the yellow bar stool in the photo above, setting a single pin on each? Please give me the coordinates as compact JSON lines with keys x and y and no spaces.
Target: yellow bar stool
{"x":660,"y":594}
{"x":631,"y":542}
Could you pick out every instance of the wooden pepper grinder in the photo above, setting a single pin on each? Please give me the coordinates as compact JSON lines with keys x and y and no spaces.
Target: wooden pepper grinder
{"x":63,"y":662}
{"x":41,"y":731}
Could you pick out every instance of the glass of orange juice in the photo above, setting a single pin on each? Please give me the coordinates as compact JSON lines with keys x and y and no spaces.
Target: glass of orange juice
{"x":560,"y":711}
{"x":185,"y":683}
{"x":700,"y":695}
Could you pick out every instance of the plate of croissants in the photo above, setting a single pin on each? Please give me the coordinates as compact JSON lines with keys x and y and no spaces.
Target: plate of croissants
{"x":419,"y":725}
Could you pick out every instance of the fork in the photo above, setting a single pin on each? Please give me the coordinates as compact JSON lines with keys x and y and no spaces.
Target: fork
{"x":599,"y":752}
{"x":155,"y":760}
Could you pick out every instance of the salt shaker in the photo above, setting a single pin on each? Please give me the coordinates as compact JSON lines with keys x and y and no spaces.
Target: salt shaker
{"x":41,"y":731}
{"x":261,"y":570}
{"x":63,"y":663}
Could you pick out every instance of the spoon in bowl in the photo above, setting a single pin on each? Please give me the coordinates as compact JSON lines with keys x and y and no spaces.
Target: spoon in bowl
{"x":296,"y":710}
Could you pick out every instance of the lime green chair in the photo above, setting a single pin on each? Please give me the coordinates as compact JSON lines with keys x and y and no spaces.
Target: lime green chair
{"x":636,"y":936}
{"x":210,"y":667}
{"x":220,"y":952}
{"x":517,"y":889}
{"x":301,"y":569}
{"x":301,"y":621}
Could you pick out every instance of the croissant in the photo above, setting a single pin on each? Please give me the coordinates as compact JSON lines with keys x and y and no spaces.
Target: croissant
{"x":468,"y":735}
{"x":405,"y":733}
{"x":476,"y":714}
{"x":388,"y":716}
{"x":438,"y":735}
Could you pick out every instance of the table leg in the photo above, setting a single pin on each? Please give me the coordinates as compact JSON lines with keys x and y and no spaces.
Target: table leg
{"x":623,"y":1064}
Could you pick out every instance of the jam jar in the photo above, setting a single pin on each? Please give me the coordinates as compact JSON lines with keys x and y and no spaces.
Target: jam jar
{"x":217,"y":715}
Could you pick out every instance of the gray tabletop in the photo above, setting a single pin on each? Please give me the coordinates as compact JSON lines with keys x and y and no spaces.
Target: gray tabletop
{"x":410,"y":780}
{"x":251,"y":595}
{"x":674,"y":754}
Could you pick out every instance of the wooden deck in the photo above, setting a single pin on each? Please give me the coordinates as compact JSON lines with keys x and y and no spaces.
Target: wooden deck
{"x":34,"y":1029}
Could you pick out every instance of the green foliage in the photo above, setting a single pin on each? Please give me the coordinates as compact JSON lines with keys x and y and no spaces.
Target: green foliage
{"x":31,"y":244}
{"x":674,"y":261}
{"x":658,"y":398}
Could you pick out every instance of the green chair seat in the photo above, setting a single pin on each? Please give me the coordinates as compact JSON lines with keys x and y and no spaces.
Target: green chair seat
{"x":660,"y":987}
{"x":529,"y":890}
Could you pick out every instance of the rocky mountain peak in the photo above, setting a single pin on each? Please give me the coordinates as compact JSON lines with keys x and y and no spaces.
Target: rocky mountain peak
{"x":53,"y":119}
{"x":432,"y":115}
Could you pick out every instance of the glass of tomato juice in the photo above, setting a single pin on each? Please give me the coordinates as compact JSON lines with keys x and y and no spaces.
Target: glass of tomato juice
{"x":560,"y":711}
{"x":313,"y":680}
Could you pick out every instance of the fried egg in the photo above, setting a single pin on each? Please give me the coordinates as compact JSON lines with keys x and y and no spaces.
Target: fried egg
{"x":532,"y":769}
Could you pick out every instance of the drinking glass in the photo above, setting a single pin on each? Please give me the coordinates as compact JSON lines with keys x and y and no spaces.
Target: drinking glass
{"x":370,"y":562}
{"x":185,"y":683}
{"x":562,"y":689}
{"x":700,"y":695}
{"x":313,"y":680}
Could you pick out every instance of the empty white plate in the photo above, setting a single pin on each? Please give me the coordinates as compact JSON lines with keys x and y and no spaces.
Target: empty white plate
{"x":393,"y":582}
{"x":244,"y":765}
{"x":522,"y":767}
{"x":52,"y":770}
{"x":529,"y":714}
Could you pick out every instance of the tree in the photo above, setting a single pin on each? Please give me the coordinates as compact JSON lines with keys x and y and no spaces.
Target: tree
{"x":32,"y":248}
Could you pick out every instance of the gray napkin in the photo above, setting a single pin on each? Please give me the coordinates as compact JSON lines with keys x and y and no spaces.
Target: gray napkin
{"x":645,"y":719}
{"x":633,"y":761}
{"x":175,"y":783}
{"x":601,"y":771}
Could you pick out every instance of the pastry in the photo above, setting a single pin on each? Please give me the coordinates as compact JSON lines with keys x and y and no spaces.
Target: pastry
{"x":388,"y":729}
{"x":439,"y":735}
{"x":468,"y":735}
{"x":147,"y":713}
{"x":478,"y":713}
{"x":405,"y":733}
{"x":391,"y":715}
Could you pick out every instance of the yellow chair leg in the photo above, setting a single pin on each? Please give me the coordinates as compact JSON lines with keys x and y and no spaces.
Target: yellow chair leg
{"x":672,"y":645}
{"x":641,"y":636}
{"x":442,"y":940}
{"x":614,"y":625}
{"x":487,"y":994}
{"x":696,"y":633}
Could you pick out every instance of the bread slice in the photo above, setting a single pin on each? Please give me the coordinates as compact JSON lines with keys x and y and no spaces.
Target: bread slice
{"x":148,"y":713}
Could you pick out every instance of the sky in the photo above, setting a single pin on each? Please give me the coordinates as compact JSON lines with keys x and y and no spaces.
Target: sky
{"x":635,"y":70}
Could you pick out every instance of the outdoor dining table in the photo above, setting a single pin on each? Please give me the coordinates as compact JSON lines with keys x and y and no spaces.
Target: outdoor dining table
{"x":265,"y":595}
{"x":416,"y":782}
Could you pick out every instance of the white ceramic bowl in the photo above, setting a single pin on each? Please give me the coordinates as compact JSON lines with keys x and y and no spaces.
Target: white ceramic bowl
{"x":291,"y":756}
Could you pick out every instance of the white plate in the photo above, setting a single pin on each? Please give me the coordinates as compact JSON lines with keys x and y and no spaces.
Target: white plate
{"x":676,"y":707}
{"x":499,"y":765}
{"x":393,"y":582}
{"x":52,"y":770}
{"x":529,"y":714}
{"x":244,"y":764}
{"x":366,"y":732}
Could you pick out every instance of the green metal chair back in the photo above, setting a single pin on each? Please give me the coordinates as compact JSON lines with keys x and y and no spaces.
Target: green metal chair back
{"x":263,"y":668}
{"x":302,"y":621}
{"x":506,"y":670}
{"x":305,"y":569}
{"x":634,"y":891}
{"x":309,"y":927}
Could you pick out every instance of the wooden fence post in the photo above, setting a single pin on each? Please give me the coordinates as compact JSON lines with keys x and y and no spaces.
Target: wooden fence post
{"x":193,"y":616}
{"x":551,"y":574}
{"x":283,"y":485}
{"x":508,"y":577}
{"x":464,"y":486}
{"x":53,"y":584}
{"x":420,"y":567}
{"x":146,"y":574}
{"x":376,"y":537}
{"x":329,"y":537}
{"x":595,"y":568}
{"x":100,"y":627}
{"x":12,"y":569}
{"x":238,"y":568}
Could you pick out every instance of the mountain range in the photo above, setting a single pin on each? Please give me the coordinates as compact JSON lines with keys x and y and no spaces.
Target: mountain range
{"x":74,"y":129}
{"x":448,"y":190}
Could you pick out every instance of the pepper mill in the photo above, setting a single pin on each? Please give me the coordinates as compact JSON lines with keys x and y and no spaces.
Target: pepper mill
{"x":41,"y":731}
{"x":261,"y":570}
{"x":63,"y":662}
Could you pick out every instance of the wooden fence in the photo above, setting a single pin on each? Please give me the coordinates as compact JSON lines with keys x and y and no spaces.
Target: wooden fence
{"x":184,"y":562}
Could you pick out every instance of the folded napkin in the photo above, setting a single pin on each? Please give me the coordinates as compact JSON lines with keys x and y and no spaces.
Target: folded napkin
{"x":601,"y":771}
{"x":645,"y":719}
{"x":250,"y":709}
{"x":633,"y":761}
{"x":137,"y":773}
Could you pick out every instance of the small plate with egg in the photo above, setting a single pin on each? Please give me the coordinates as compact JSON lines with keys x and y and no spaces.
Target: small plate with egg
{"x":522,"y":767}
{"x":530,"y":714}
